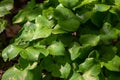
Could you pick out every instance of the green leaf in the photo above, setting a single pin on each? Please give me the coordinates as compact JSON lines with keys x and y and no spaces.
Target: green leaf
{"x":55,"y":71}
{"x":5,"y":7}
{"x":67,"y":20}
{"x":57,"y":30}
{"x":85,"y":16}
{"x":116,"y":10}
{"x":11,"y":52}
{"x":69,"y":3}
{"x":74,"y":51}
{"x":84,"y":2}
{"x":113,"y":75}
{"x":56,"y":48}
{"x":3,"y":24}
{"x":31,"y":54}
{"x":94,"y":54}
{"x":42,"y":21}
{"x":48,"y":61}
{"x":107,"y":52}
{"x":29,"y":13}
{"x":48,"y":13}
{"x":66,"y":39}
{"x":89,"y":39}
{"x":76,"y":76}
{"x":31,"y":32}
{"x":86,"y":65}
{"x":16,"y":74}
{"x":108,"y":33}
{"x":97,"y":18}
{"x":117,"y":2}
{"x":93,"y":72}
{"x":85,"y":50}
{"x":42,"y":49}
{"x":114,"y":64}
{"x":101,"y":7}
{"x":65,"y":70}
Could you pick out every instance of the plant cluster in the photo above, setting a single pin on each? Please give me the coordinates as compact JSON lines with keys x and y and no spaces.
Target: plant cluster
{"x":64,"y":40}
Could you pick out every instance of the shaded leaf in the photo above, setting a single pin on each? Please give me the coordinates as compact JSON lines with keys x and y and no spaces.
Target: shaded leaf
{"x":107,"y":52}
{"x":67,"y":21}
{"x":84,"y":17}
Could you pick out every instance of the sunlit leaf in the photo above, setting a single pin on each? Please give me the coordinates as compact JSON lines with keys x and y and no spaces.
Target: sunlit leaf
{"x":74,"y":51}
{"x":89,"y":39}
{"x":76,"y":76}
{"x":65,"y":70}
{"x":11,"y":52}
{"x":69,"y":3}
{"x":114,"y":64}
{"x":5,"y":7}
{"x":30,"y":53}
{"x":101,"y":7}
{"x":16,"y":74}
{"x":2,"y":25}
{"x":56,"y":48}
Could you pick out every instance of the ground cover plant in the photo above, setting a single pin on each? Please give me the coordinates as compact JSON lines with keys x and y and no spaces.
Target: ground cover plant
{"x":63,"y":40}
